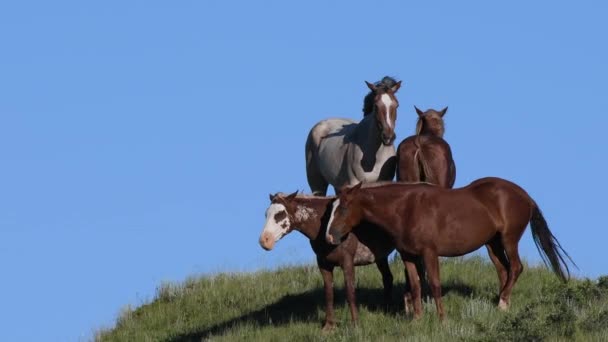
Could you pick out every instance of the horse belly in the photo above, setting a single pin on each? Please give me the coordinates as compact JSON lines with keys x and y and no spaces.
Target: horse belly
{"x":363,"y":255}
{"x":466,"y":235}
{"x":331,"y":157}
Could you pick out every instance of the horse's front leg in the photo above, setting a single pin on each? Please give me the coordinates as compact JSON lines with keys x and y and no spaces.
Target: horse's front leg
{"x":349,"y":283}
{"x":431,"y":261}
{"x":328,"y":284}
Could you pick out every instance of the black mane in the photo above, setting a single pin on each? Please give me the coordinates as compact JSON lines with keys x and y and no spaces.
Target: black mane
{"x":368,"y":101}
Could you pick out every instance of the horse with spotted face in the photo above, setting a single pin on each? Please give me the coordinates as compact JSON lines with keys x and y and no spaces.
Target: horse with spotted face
{"x":342,"y":152}
{"x":427,"y":221}
{"x":309,"y":216}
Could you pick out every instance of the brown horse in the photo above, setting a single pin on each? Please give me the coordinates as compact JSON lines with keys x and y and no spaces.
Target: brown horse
{"x":429,"y":221}
{"x":309,"y":215}
{"x":426,"y":157}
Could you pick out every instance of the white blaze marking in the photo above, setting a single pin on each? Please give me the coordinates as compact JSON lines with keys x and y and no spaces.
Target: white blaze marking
{"x":386,"y":99}
{"x":331,"y":217}
{"x":273,"y":227}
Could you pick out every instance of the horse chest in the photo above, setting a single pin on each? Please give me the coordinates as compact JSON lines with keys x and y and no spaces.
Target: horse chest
{"x":368,"y":166}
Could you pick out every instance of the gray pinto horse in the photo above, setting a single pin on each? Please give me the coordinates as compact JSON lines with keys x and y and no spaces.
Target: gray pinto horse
{"x":342,"y":152}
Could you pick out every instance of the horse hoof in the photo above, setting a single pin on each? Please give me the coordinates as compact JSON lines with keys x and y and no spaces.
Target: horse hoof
{"x":328,"y":327}
{"x":503,"y":305}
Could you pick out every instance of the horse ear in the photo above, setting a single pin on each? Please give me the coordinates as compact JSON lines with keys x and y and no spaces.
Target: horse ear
{"x":292,"y":196}
{"x":271,"y":197}
{"x":396,"y":87}
{"x":442,"y":113}
{"x":371,"y":86}
{"x":420,"y":113}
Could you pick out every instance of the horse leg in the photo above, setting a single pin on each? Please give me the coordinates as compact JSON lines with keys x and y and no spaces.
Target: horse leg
{"x":328,"y":284}
{"x":431,"y":261}
{"x":515,"y":270}
{"x":407,"y":293}
{"x":387,"y":279}
{"x":424,"y":284}
{"x":412,"y":275}
{"x":349,"y":284}
{"x":316,"y":181}
{"x":496,"y":251}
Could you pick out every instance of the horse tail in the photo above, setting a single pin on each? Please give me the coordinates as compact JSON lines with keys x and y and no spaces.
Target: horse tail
{"x":549,"y":248}
{"x":425,"y":170}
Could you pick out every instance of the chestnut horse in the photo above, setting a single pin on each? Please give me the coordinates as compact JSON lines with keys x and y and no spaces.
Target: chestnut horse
{"x":342,"y":152}
{"x":425,"y":156}
{"x":428,"y":221}
{"x":309,"y":215}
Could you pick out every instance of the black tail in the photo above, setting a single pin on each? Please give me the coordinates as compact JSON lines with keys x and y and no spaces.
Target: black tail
{"x":549,"y":248}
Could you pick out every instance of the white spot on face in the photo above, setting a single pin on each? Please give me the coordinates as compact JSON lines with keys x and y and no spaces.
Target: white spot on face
{"x":331,"y":217}
{"x":388,"y":102}
{"x":276,"y":229}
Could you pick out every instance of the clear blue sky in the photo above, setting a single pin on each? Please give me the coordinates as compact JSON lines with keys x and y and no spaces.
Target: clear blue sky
{"x":139,"y":140}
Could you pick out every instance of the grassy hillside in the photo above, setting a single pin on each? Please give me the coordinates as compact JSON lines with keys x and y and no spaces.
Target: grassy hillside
{"x":287,"y":304}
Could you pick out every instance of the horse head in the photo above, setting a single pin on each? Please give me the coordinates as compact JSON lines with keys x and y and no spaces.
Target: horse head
{"x":385,"y":109}
{"x":278,"y":219}
{"x":431,"y":122}
{"x":346,"y":213}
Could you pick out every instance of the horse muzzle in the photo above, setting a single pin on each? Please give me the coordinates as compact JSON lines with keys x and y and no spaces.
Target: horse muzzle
{"x":388,"y":140}
{"x":267,"y":241}
{"x":333,"y":238}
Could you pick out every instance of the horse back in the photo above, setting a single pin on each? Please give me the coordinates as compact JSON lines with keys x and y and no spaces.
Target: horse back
{"x":426,"y":158}
{"x":505,"y":200}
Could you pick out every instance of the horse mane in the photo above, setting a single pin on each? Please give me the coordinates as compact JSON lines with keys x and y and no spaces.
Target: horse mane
{"x":383,"y":85}
{"x":303,"y":196}
{"x":437,"y":131}
{"x":380,"y":184}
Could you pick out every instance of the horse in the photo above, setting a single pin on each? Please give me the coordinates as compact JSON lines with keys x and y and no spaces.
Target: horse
{"x":309,"y":215}
{"x":427,"y":221}
{"x":342,"y":152}
{"x":425,"y":156}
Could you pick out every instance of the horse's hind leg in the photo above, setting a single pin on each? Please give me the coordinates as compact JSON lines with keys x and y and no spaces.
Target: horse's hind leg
{"x":496,"y":251}
{"x":316,"y":181}
{"x":387,"y":279}
{"x":515,"y":269}
{"x":413,"y":296}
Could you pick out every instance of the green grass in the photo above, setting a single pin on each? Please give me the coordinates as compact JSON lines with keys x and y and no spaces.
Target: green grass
{"x":287,"y":304}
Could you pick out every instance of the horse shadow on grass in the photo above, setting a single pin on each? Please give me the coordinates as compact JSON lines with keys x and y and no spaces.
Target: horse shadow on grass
{"x":304,"y":307}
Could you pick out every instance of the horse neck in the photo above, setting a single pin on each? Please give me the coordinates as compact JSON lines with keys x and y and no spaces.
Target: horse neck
{"x":424,"y":129}
{"x":367,"y":132}
{"x":372,"y":205}
{"x":308,"y":215}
